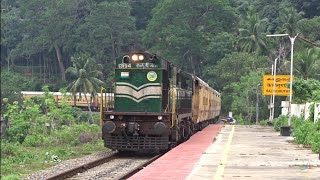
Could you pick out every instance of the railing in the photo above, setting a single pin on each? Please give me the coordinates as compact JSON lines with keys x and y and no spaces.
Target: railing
{"x":106,"y":101}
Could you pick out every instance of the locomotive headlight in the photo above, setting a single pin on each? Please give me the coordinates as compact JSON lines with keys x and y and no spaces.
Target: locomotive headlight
{"x":111,"y":116}
{"x":141,"y":57}
{"x":160,"y":128}
{"x":159,"y":118}
{"x":108,"y":127}
{"x":134,"y":57}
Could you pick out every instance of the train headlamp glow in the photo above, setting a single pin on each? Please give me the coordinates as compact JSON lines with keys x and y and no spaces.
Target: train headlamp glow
{"x":111,"y":116}
{"x":141,"y":57}
{"x":159,"y":118}
{"x":134,"y":57}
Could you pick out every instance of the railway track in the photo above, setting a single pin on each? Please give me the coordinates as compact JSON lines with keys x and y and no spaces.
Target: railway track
{"x":114,"y":166}
{"x":137,"y":169}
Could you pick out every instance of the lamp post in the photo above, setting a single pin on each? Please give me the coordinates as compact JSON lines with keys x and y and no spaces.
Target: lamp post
{"x":292,"y":39}
{"x":274,"y":86}
{"x":270,"y":106}
{"x":257,"y":105}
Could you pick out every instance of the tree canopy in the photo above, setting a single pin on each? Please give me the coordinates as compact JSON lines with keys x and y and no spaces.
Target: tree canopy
{"x":222,"y":41}
{"x":182,"y":30}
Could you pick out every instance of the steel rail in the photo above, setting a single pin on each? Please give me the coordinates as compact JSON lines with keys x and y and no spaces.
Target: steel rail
{"x":137,"y":169}
{"x":83,"y":167}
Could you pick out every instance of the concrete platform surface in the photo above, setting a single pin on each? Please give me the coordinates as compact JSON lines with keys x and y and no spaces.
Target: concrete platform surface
{"x":255,"y":152}
{"x":237,"y":152}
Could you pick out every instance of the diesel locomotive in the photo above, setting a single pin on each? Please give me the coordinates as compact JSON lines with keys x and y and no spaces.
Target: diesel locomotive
{"x":156,"y":105}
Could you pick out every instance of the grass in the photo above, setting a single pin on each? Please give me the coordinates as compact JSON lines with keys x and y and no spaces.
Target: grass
{"x":33,"y":159}
{"x":19,"y":160}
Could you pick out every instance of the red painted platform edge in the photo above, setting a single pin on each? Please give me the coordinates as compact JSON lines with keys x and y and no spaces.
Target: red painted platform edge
{"x":169,"y":166}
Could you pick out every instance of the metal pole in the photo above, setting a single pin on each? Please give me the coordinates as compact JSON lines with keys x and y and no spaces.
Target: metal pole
{"x":274,"y":87}
{"x":270,"y":114}
{"x":257,"y":106}
{"x":101,"y":105}
{"x":291,"y":78}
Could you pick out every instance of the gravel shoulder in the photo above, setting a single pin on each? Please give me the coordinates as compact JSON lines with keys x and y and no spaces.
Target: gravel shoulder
{"x":65,"y":165}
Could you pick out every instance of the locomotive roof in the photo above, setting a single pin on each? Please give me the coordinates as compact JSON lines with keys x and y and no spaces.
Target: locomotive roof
{"x":205,"y":84}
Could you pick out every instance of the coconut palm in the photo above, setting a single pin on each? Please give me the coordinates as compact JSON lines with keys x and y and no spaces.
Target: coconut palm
{"x":290,"y":18}
{"x":86,"y":71}
{"x":309,"y":63}
{"x":252,"y":35}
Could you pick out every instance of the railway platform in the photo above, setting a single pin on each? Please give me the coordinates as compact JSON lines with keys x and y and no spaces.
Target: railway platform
{"x":235,"y":152}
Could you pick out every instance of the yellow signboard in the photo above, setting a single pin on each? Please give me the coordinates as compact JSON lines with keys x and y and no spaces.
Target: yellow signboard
{"x":282,"y":85}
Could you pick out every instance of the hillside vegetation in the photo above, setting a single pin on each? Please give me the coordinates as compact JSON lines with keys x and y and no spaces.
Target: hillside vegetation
{"x":72,"y":45}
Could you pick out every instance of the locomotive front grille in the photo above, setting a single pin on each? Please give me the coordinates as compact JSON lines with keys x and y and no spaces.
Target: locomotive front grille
{"x":131,"y":143}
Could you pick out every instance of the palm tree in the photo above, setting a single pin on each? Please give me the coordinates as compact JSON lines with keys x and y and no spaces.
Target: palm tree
{"x":309,"y":63}
{"x":290,"y":18}
{"x":252,"y":35}
{"x":85,"y":70}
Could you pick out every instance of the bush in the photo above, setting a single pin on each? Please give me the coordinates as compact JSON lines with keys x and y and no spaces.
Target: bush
{"x":307,"y":133}
{"x":71,"y":135}
{"x":264,"y":122}
{"x":65,"y":136}
{"x":85,"y":116}
{"x":280,"y":121}
{"x":34,"y":140}
{"x":82,"y":116}
{"x":241,"y":121}
{"x":301,"y":132}
{"x":315,"y":144}
{"x":9,"y":149}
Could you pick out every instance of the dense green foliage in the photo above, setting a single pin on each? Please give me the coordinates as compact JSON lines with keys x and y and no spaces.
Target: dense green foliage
{"x":305,"y":132}
{"x":42,"y":151}
{"x":43,"y":125}
{"x":11,"y":84}
{"x":243,"y":95}
{"x":221,"y":41}
{"x":218,"y":40}
{"x":182,"y":33}
{"x":306,"y":90}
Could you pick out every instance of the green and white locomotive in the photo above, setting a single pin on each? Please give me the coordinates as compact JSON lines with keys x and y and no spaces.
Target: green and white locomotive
{"x":156,"y":105}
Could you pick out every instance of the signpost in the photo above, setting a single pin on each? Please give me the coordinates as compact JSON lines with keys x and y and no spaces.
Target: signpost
{"x":281,"y":89}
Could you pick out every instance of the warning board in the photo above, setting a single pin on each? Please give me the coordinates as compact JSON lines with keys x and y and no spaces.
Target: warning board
{"x":282,"y":85}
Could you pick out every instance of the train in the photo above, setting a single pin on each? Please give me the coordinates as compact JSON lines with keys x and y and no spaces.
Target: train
{"x":75,"y":100}
{"x":156,"y":105}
